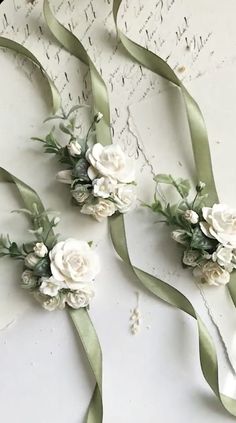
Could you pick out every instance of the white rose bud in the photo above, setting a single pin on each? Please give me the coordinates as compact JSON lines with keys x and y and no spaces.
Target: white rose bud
{"x":28,"y":280}
{"x":50,"y":303}
{"x":103,"y":187}
{"x":224,"y":257}
{"x":40,"y":249}
{"x":74,"y":148}
{"x":179,"y":235}
{"x":50,"y":286}
{"x":102,"y":209}
{"x":191,"y":216}
{"x":80,"y":196}
{"x":125,"y":197}
{"x":200,"y":186}
{"x":31,"y":260}
{"x":64,"y":176}
{"x":190,"y":258}
{"x":81,"y":298}
{"x":98,"y":117}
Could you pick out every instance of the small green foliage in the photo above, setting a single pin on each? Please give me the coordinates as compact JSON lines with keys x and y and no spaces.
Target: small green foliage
{"x":43,"y":222}
{"x":80,"y":170}
{"x":183,"y":187}
{"x":162,"y":178}
{"x":9,"y":248}
{"x":200,"y":242}
{"x":66,"y":129}
{"x":157,"y":207}
{"x":65,"y":158}
{"x":174,"y":214}
{"x":51,"y":145}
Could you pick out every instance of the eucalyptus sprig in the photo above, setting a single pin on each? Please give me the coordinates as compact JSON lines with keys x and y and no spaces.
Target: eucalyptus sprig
{"x":67,"y":125}
{"x":12,"y":249}
{"x":42,"y":223}
{"x":184,"y":216}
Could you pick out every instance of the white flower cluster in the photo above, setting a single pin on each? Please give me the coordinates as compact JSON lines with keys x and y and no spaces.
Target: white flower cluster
{"x":110,"y":186}
{"x":219,"y":225}
{"x":63,"y":275}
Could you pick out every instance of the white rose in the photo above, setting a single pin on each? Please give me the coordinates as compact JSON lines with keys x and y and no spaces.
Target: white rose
{"x":212,"y":274}
{"x":190,"y":258}
{"x":179,"y":235}
{"x":110,"y":161}
{"x":80,"y":195}
{"x":81,"y":298}
{"x":74,"y":148}
{"x":50,"y":286}
{"x":74,"y":262}
{"x":40,"y":249}
{"x":220,"y":224}
{"x":64,"y":176}
{"x":103,"y":187}
{"x":191,"y":216}
{"x":50,"y":303}
{"x":224,"y":256}
{"x":125,"y":197}
{"x":102,"y":209}
{"x":28,"y":280}
{"x":31,"y":260}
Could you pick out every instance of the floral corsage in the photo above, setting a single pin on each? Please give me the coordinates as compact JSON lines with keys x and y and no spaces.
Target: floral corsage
{"x":207,"y":234}
{"x":101,"y":178}
{"x":56,"y":273}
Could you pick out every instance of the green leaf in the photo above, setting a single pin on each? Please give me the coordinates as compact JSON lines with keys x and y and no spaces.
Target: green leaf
{"x":42,"y":268}
{"x":184,"y":187}
{"x":53,"y":118}
{"x":51,"y":150}
{"x":162,"y":178}
{"x":38,"y":139}
{"x":156,"y":207}
{"x":51,"y":140}
{"x":76,"y":107}
{"x":64,"y":129}
{"x":24,"y":211}
{"x":200,"y":242}
{"x":14,"y":250}
{"x":28,"y":248}
{"x":80,"y":170}
{"x":65,"y":157}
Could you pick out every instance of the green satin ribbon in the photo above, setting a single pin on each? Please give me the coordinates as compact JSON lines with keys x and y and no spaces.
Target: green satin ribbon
{"x":100,"y":98}
{"x":80,"y":317}
{"x":197,"y":127}
{"x":19,"y":49}
{"x":159,"y":288}
{"x":196,"y":122}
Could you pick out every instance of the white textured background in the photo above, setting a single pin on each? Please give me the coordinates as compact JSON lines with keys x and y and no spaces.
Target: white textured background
{"x":156,"y":375}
